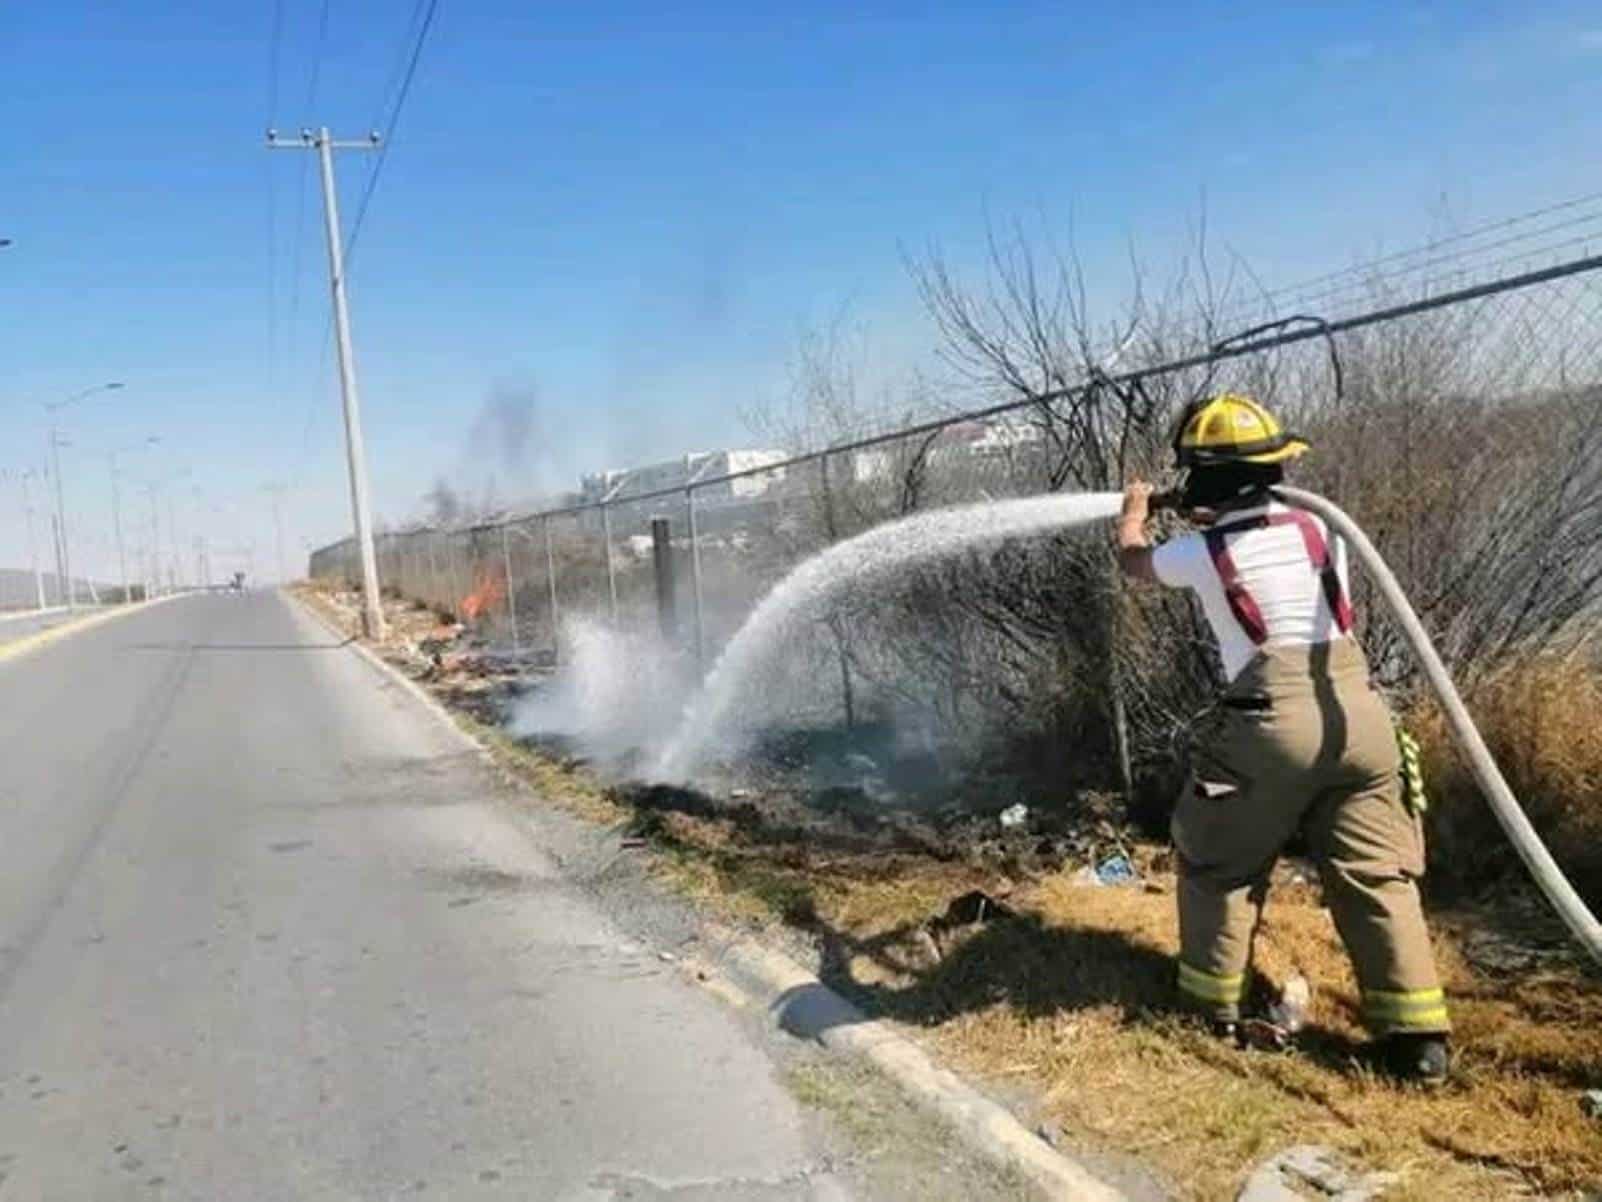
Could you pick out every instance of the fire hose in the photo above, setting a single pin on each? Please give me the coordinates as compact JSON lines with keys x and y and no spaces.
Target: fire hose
{"x":1548,"y":876}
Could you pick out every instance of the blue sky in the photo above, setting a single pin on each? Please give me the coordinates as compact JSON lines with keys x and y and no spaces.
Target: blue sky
{"x":629,"y":210}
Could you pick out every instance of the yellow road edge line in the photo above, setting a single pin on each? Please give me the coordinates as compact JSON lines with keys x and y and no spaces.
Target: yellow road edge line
{"x":29,"y":643}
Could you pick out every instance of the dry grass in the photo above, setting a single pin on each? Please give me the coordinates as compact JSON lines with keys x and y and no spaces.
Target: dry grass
{"x":325,"y":598}
{"x":1071,"y":997}
{"x":1069,"y":994}
{"x":1542,"y":719}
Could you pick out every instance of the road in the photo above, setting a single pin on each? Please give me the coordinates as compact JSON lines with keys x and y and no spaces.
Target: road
{"x":268,"y":932}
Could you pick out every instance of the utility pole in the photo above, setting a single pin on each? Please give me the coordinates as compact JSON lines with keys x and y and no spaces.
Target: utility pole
{"x":55,"y":458}
{"x":33,"y":547}
{"x":177,"y":547}
{"x":155,"y":546}
{"x":55,"y":551}
{"x":116,"y":521}
{"x":63,"y":564}
{"x":355,"y":450}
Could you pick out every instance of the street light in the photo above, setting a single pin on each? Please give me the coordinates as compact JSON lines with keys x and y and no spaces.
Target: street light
{"x":52,"y":407}
{"x":116,"y":508}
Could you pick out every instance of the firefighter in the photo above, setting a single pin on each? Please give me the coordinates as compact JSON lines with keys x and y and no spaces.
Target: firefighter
{"x":1299,"y":742}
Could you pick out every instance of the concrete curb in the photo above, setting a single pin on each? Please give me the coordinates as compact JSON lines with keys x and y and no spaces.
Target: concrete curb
{"x":805,"y":1007}
{"x":29,"y":643}
{"x":745,"y":973}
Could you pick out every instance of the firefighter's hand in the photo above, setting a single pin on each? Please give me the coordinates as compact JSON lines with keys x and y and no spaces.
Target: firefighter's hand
{"x":1137,"y":501}
{"x":1134,"y":548}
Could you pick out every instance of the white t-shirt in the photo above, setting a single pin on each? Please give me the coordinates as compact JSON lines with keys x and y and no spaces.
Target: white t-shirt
{"x":1274,"y":569}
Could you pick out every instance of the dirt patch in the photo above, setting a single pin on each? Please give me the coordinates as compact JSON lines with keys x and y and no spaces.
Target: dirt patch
{"x":996,"y":944}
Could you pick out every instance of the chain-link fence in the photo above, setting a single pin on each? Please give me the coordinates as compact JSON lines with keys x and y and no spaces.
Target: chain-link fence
{"x":1463,"y":430}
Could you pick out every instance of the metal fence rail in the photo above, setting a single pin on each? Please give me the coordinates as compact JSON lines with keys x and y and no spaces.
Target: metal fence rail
{"x":732,"y":535}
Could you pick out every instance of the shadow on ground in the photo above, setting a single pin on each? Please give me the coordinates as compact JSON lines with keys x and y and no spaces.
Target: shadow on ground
{"x":1033,"y":967}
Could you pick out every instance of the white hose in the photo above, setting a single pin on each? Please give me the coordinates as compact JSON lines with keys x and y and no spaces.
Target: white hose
{"x":1569,"y":905}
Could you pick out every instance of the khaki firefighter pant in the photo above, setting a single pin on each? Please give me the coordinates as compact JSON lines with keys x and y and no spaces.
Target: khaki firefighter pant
{"x":1303,"y":742}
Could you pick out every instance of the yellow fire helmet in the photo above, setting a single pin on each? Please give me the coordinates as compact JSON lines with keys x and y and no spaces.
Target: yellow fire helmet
{"x":1230,"y":428}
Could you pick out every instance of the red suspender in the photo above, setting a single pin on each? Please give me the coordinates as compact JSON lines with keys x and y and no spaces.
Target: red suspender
{"x":1324,"y":564}
{"x":1240,"y":601}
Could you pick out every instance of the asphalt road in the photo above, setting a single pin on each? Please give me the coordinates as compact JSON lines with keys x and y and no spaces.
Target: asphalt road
{"x":267,"y":933}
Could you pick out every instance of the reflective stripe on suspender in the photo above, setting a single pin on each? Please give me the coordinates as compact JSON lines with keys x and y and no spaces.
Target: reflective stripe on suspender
{"x":1241,"y":602}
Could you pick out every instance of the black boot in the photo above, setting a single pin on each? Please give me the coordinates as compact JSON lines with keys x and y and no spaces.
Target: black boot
{"x":1227,"y":1030}
{"x":1421,"y":1059}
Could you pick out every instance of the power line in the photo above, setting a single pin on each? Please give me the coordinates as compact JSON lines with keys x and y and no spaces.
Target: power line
{"x":389,"y":132}
{"x":1456,"y":262}
{"x":1437,"y":243}
{"x":1460,"y":264}
{"x":1367,"y":273}
{"x":407,"y":38}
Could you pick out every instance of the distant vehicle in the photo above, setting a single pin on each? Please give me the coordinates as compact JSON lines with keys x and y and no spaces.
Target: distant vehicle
{"x":238,"y":582}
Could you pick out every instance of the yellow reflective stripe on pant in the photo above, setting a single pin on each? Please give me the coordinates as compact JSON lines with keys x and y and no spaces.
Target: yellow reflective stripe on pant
{"x":1414,"y":794}
{"x":1420,"y":1009}
{"x":1210,"y":987}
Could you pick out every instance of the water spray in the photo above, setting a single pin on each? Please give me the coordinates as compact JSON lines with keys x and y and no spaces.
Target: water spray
{"x":795,"y":601}
{"x":1570,"y":907}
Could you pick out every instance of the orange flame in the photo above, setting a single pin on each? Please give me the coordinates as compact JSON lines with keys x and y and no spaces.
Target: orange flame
{"x":488,"y":592}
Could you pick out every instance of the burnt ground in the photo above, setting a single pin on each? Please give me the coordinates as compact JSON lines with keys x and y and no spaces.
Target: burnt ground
{"x":835,"y":794}
{"x":828,"y":793}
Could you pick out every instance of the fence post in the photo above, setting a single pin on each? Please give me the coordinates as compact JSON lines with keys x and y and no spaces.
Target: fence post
{"x":433,"y":569}
{"x":611,"y":570}
{"x":695,"y":580}
{"x":667,"y":606}
{"x":511,"y":588}
{"x":550,"y":576}
{"x":459,"y":587}
{"x":1115,"y":681}
{"x":848,"y":698}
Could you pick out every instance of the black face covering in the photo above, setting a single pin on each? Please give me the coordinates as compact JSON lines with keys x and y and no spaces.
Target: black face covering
{"x":1229,"y":484}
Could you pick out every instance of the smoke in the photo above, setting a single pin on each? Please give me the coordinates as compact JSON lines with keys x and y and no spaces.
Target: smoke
{"x":445,"y":506}
{"x":723,"y":706}
{"x":610,"y":697}
{"x":504,"y":459}
{"x":502,"y":429}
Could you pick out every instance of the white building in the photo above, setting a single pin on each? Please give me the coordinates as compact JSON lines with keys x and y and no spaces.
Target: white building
{"x":957,"y":444}
{"x":624,"y":483}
